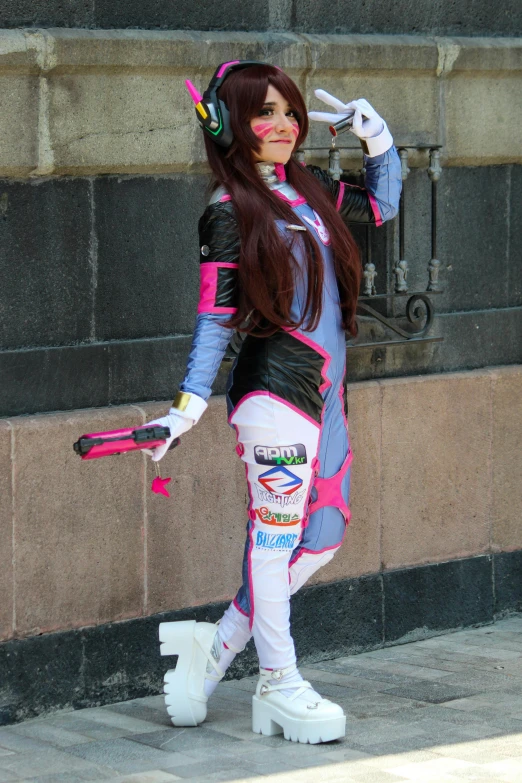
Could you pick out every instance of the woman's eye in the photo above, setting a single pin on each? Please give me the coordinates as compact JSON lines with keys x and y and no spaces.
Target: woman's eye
{"x":268,"y":112}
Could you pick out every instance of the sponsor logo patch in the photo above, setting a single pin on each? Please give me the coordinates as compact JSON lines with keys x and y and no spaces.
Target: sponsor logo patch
{"x":275,"y":540}
{"x":281,"y":500}
{"x":280,"y":455}
{"x":280,"y":481}
{"x":276,"y":517}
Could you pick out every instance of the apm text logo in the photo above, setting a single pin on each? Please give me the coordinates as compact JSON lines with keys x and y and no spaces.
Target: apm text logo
{"x":280,"y":455}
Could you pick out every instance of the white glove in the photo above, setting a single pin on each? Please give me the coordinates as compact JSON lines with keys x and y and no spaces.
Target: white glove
{"x":179,"y":422}
{"x":367,"y":124}
{"x":177,"y":425}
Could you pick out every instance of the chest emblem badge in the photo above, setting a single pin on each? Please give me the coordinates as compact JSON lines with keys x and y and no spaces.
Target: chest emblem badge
{"x":320,"y":228}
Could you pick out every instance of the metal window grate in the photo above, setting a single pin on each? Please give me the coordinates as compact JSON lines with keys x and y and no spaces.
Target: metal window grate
{"x":419,"y":311}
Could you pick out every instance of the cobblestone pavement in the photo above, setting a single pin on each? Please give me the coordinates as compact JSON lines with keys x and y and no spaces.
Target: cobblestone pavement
{"x":445,"y":709}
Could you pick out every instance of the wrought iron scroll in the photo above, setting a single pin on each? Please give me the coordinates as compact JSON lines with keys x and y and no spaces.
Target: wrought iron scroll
{"x":419,"y":311}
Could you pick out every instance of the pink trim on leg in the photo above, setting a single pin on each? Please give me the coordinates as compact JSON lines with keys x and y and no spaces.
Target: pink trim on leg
{"x":301,"y":570}
{"x":320,"y":350}
{"x":315,"y":466}
{"x":295,"y":559}
{"x":273,"y":397}
{"x":250,"y":579}
{"x":296,"y":409}
{"x":329,"y":491}
{"x":251,"y":546}
{"x":259,"y":393}
{"x":250,"y":496}
{"x":326,"y":548}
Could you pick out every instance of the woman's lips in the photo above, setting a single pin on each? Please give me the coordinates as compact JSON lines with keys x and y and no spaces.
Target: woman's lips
{"x":281,"y":141}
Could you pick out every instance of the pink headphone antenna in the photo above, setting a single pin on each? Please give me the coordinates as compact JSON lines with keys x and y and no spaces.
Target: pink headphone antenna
{"x":194,"y":94}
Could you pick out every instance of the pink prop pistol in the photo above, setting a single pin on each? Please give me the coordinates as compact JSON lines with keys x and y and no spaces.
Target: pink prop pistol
{"x":105,"y":444}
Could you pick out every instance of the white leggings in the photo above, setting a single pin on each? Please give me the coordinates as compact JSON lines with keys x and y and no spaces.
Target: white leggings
{"x":298,"y":481}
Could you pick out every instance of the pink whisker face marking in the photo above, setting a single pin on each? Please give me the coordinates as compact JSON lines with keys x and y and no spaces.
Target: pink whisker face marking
{"x":262,"y":129}
{"x":295,"y":130}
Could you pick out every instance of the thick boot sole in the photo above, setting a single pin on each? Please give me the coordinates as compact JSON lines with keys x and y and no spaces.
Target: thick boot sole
{"x":178,"y":638}
{"x":269,"y":720}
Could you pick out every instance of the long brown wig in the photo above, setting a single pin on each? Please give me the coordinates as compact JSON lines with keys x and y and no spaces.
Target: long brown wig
{"x":266,"y":265}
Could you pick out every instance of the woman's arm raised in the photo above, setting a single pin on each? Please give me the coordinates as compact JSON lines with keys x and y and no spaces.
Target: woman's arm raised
{"x":378,"y":201}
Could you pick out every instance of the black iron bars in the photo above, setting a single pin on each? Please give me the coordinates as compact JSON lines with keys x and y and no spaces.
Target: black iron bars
{"x":401,"y":270}
{"x":434,"y":173}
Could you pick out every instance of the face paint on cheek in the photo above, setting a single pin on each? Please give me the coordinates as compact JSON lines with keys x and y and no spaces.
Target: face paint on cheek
{"x":295,"y":130}
{"x":262,"y":129}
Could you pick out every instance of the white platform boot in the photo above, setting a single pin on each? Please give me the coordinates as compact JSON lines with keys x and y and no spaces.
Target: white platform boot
{"x":184,"y":686}
{"x":300,"y":716}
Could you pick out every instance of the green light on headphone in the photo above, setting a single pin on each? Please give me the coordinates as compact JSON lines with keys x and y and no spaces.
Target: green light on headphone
{"x":218,"y":129}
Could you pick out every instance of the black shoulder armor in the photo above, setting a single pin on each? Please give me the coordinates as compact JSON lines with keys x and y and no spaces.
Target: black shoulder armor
{"x":219,"y":234}
{"x":352,"y":202}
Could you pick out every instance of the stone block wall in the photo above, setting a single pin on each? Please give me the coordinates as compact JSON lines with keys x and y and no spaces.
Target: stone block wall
{"x":435,"y":478}
{"x":91,"y":561}
{"x":436,"y":17}
{"x":103,"y":180}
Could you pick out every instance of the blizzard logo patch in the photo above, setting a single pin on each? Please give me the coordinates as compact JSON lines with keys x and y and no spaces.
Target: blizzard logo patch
{"x":275,"y":540}
{"x":280,"y":455}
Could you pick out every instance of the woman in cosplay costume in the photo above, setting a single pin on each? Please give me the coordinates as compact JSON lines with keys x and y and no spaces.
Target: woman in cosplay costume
{"x":278,"y":264}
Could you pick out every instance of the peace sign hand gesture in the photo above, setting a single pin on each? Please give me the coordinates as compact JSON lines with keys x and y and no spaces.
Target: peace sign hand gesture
{"x":366,"y":123}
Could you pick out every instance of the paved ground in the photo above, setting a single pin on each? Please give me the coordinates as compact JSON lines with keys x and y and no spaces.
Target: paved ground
{"x":445,"y":709}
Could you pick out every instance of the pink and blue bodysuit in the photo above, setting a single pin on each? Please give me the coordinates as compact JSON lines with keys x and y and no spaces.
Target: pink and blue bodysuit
{"x":286,"y":403}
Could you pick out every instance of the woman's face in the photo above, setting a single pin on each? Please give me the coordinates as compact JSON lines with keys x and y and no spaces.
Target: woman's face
{"x":277,"y":127}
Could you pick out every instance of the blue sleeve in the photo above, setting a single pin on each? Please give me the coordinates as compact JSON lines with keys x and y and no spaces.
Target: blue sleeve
{"x":378,"y":200}
{"x":383,"y":181}
{"x":209,"y":344}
